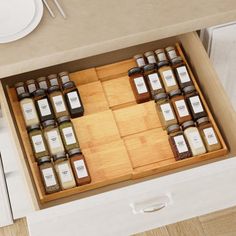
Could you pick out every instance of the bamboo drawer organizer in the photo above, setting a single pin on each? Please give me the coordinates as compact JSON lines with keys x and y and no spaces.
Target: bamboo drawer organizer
{"x":121,"y":140}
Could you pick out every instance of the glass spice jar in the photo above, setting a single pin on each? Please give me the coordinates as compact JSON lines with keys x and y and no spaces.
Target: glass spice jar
{"x":208,"y":134}
{"x":43,"y":105}
{"x":37,"y":141}
{"x":153,"y":80}
{"x":48,"y":175}
{"x":165,"y":110}
{"x":28,"y":109}
{"x":31,"y":85}
{"x":194,"y":102}
{"x":53,"y":137}
{"x":140,"y":60}
{"x":64,"y":171}
{"x":172,"y":55}
{"x":53,"y":80}
{"x":161,"y":57}
{"x":193,"y":137}
{"x":178,"y":142}
{"x":180,"y":106}
{"x":42,"y":83}
{"x":68,"y":133}
{"x":150,"y":55}
{"x":57,"y":101}
{"x":73,"y":99}
{"x":138,"y":85}
{"x":20,"y":88}
{"x":79,"y":167}
{"x":64,"y":77}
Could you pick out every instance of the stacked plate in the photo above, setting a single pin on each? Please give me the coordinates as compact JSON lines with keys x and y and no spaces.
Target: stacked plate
{"x":18,"y":18}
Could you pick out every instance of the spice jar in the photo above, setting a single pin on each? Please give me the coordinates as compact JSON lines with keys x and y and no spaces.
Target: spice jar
{"x":138,"y":85}
{"x":208,"y":134}
{"x":150,"y":55}
{"x":48,"y":175}
{"x":178,"y":142}
{"x":172,"y":55}
{"x":73,"y":99}
{"x":140,"y":61}
{"x":64,"y":171}
{"x":20,"y":88}
{"x":194,"y":102}
{"x":165,"y":110}
{"x":43,"y":105}
{"x":53,"y":137}
{"x":31,"y":85}
{"x":153,"y":80}
{"x":64,"y":77}
{"x":79,"y":167}
{"x":67,"y":132}
{"x":42,"y":83}
{"x":161,"y":57}
{"x":193,"y":138}
{"x":57,"y":101}
{"x":180,"y":106}
{"x":37,"y":141}
{"x":53,"y":80}
{"x":28,"y":109}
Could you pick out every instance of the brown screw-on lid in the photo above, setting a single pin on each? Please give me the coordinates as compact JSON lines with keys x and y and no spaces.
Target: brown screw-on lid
{"x":160,"y":96}
{"x":48,"y":123}
{"x":138,"y":56}
{"x":74,"y":151}
{"x":44,"y":159}
{"x":42,"y":78}
{"x":39,"y":92}
{"x":134,"y":71}
{"x":33,"y":127}
{"x":52,"y":76}
{"x":175,"y":93}
{"x":149,"y":53}
{"x":189,"y":89}
{"x":23,"y":95}
{"x":63,"y":119}
{"x":53,"y":88}
{"x":63,"y":73}
{"x":202,"y":120}
{"x":19,"y":84}
{"x":173,"y":128}
{"x":30,"y":81}
{"x":187,"y":124}
{"x":58,"y":156}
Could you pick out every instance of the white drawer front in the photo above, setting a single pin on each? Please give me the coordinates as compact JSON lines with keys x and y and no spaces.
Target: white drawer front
{"x":192,"y":192}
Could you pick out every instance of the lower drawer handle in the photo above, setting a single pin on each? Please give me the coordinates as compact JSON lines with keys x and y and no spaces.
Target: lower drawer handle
{"x":154,"y":208}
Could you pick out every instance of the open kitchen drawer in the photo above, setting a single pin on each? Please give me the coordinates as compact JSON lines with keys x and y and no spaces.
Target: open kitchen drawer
{"x":108,"y":108}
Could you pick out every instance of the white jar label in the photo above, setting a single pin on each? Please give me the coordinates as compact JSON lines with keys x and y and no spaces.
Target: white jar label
{"x":53,"y":82}
{"x":43,"y":85}
{"x":38,"y":143}
{"x":161,"y":56}
{"x":196,"y":104}
{"x":182,"y":108}
{"x":20,"y":90}
{"x":44,"y":107}
{"x":49,"y":177}
{"x":210,"y":136}
{"x":180,"y":144}
{"x":195,"y":140}
{"x":151,"y":59}
{"x":172,"y":54}
{"x":183,"y":74}
{"x":140,"y":62}
{"x":65,"y":173}
{"x":31,"y":88}
{"x":74,"y":100}
{"x":169,"y":78}
{"x":65,"y":79}
{"x":54,"y":139}
{"x":155,"y":81}
{"x":69,"y":135}
{"x":81,"y":170}
{"x":140,"y":85}
{"x":29,"y":111}
{"x":167,"y":112}
{"x":59,"y":103}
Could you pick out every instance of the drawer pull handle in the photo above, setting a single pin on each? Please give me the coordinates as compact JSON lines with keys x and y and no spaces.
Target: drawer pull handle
{"x":154,"y":208}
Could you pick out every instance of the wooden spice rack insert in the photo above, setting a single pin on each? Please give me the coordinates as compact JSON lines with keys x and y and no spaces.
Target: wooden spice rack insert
{"x":121,"y":140}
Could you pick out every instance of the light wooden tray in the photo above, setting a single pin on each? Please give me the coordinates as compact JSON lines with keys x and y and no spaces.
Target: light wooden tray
{"x":121,"y":140}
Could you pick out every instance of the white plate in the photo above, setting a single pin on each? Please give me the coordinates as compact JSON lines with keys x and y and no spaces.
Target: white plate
{"x":21,"y":22}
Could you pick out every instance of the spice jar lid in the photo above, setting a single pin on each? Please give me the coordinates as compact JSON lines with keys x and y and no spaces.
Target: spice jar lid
{"x":39,"y":92}
{"x":149,"y":53}
{"x":177,"y":60}
{"x":47,"y":123}
{"x":187,"y":124}
{"x":138,"y":56}
{"x":30,"y":81}
{"x":135,"y":70}
{"x":53,"y":88}
{"x":19,"y":84}
{"x":162,"y":63}
{"x":74,"y":151}
{"x":44,"y":159}
{"x":63,"y":73}
{"x":170,"y":48}
{"x":68,"y":85}
{"x":175,"y":93}
{"x":203,"y":120}
{"x":24,"y":95}
{"x":161,"y":50}
{"x":160,"y":96}
{"x":33,"y":127}
{"x":59,"y":156}
{"x":172,"y":128}
{"x":149,"y":67}
{"x":52,"y":76}
{"x":63,"y":119}
{"x":42,"y":78}
{"x":189,"y":89}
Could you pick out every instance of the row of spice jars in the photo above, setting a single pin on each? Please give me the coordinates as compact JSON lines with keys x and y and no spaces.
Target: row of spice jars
{"x":50,"y":104}
{"x":191,"y":140}
{"x":43,"y":82}
{"x":64,"y":173}
{"x":179,"y":108}
{"x":53,"y":138}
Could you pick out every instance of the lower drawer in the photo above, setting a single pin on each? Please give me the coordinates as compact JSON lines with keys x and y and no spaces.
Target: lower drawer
{"x":203,"y":70}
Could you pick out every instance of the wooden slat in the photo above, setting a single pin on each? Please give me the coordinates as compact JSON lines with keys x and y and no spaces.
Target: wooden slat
{"x":84,"y":76}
